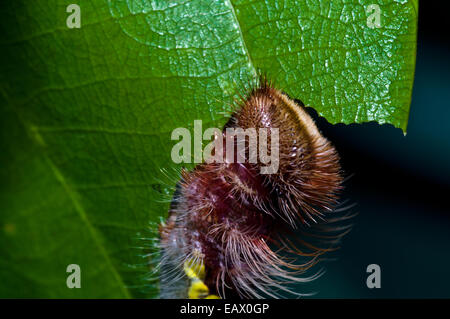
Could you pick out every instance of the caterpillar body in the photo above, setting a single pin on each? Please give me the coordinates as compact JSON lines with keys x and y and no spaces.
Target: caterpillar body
{"x":231,"y":227}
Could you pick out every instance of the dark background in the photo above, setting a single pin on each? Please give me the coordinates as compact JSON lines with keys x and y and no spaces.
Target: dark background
{"x":401,"y":185}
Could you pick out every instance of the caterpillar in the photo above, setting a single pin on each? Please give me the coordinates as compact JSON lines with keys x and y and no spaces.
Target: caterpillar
{"x":234,"y":231}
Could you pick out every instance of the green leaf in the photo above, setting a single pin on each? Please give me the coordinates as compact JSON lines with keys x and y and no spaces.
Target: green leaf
{"x":87,"y":114}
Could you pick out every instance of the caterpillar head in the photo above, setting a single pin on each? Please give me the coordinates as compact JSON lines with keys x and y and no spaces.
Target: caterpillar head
{"x":308,"y":178}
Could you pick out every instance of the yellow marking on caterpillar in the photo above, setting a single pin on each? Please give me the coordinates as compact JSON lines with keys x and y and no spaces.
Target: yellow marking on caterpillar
{"x":196,"y":273}
{"x":194,"y":270}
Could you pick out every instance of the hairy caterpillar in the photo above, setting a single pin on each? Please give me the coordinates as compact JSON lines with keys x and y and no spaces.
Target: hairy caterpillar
{"x":230,"y":228}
